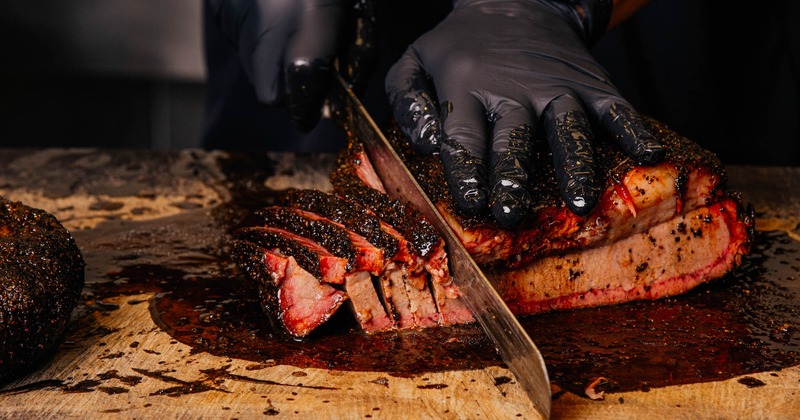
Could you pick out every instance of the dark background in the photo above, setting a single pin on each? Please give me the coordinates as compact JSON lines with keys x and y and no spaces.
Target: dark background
{"x":726,"y":74}
{"x":130,"y":73}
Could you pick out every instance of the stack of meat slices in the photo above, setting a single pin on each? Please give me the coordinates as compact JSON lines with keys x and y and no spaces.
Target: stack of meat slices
{"x":658,"y":231}
{"x":317,"y":251}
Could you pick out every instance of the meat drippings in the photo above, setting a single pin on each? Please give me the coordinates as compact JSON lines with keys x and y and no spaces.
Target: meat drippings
{"x":743,"y":323}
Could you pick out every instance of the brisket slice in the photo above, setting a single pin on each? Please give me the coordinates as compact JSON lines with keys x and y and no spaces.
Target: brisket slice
{"x":293,"y":298}
{"x":452,"y":309}
{"x":314,"y":258}
{"x":365,"y":303}
{"x":634,"y":245}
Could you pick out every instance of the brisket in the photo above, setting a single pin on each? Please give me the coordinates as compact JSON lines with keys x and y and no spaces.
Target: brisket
{"x":360,"y":254}
{"x":353,"y":217}
{"x":365,"y":303}
{"x":355,"y":178}
{"x":41,"y":277}
{"x":362,"y":257}
{"x":668,"y":259}
{"x":311,"y":256}
{"x":408,"y":299}
{"x":295,"y":300}
{"x":635,"y":199}
{"x":657,"y":231}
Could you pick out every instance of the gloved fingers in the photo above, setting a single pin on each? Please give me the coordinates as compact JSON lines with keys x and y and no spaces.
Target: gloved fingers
{"x":629,"y":130}
{"x":510,"y":167}
{"x":571,"y":141}
{"x":415,"y":109}
{"x":463,"y":152}
{"x":309,"y":61}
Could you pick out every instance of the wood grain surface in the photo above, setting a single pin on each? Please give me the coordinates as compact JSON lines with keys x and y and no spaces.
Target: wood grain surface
{"x":119,"y":363}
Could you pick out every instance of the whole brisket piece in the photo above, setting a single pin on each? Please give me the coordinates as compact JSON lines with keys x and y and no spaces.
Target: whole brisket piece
{"x":658,"y":231}
{"x":41,"y":277}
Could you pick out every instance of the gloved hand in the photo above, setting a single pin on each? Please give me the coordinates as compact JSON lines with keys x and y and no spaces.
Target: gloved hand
{"x":287,"y":48}
{"x":474,"y":87}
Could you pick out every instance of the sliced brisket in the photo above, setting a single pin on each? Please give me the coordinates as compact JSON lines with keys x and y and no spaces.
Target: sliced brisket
{"x":358,"y":219}
{"x":362,"y":257}
{"x":356,"y":179}
{"x":340,"y":241}
{"x":348,"y":214}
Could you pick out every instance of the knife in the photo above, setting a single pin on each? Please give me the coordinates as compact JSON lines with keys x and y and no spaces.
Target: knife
{"x":512,"y":342}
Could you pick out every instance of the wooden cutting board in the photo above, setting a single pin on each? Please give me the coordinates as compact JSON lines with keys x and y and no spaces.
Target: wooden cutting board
{"x":116,"y":362}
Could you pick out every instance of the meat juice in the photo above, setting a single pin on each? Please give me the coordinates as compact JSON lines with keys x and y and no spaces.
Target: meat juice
{"x":743,"y":323}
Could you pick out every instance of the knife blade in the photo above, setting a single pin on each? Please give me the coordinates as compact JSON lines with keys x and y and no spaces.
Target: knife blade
{"x":512,"y":342}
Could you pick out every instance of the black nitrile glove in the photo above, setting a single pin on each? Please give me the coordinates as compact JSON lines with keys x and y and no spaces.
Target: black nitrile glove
{"x":287,"y":48}
{"x":474,"y":87}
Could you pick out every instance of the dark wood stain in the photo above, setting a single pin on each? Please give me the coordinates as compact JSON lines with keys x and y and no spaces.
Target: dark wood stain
{"x":751,"y":382}
{"x":432,"y":386}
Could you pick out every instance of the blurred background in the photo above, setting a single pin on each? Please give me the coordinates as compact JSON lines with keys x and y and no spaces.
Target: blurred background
{"x":102,"y":73}
{"x":131,"y":73}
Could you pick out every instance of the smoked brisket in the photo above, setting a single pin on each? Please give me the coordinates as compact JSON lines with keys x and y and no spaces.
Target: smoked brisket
{"x":658,"y":231}
{"x":41,"y":277}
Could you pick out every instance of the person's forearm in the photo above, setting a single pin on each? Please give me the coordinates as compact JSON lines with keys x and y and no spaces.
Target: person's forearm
{"x":624,"y":9}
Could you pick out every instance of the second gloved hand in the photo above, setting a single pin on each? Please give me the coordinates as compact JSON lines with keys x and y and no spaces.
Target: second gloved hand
{"x":287,"y":48}
{"x":474,"y":87}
